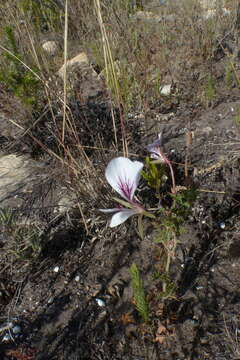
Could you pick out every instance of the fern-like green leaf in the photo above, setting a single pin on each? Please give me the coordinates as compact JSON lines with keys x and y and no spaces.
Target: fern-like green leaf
{"x":139,"y":294}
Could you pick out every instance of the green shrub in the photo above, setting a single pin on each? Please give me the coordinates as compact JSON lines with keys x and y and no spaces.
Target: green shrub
{"x":14,"y":74}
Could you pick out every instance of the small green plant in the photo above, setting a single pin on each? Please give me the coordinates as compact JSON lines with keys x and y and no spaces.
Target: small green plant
{"x":153,"y":174}
{"x":237,"y":118}
{"x":210,"y":90}
{"x":183,"y":202}
{"x":24,"y":241}
{"x":27,"y":242}
{"x":6,"y":218}
{"x":15,"y":76}
{"x":141,"y":303}
{"x":173,"y":219}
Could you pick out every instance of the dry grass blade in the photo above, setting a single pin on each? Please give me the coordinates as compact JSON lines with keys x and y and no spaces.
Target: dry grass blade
{"x":65,"y":69}
{"x":111,"y":77}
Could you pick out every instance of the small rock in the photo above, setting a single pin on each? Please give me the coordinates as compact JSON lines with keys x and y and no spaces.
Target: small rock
{"x":100,"y":302}
{"x":165,"y":90}
{"x":80,"y":73}
{"x":50,"y":300}
{"x":56,"y":269}
{"x":16,"y":329}
{"x":77,"y":278}
{"x":222,"y":225}
{"x":50,"y":47}
{"x":18,"y":175}
{"x":79,"y":60}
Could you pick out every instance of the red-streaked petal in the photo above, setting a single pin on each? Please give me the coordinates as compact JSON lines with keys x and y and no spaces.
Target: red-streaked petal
{"x":124,"y":175}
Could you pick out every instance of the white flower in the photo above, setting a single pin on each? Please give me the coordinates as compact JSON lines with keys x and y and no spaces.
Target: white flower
{"x":124,"y":175}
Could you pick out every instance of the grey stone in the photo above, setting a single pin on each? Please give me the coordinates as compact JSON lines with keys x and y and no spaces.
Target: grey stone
{"x":50,"y":47}
{"x":81,"y":75}
{"x":17,"y":176}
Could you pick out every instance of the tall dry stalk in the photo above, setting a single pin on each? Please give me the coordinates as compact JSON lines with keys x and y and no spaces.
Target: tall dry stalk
{"x":111,"y":77}
{"x":65,"y":70}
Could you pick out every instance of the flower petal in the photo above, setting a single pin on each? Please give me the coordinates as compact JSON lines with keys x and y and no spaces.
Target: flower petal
{"x":156,"y":149}
{"x":157,"y":143}
{"x":124,"y":175}
{"x":122,"y":216}
{"x":109,"y":210}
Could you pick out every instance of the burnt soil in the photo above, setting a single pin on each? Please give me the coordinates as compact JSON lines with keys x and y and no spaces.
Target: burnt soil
{"x":85,"y":310}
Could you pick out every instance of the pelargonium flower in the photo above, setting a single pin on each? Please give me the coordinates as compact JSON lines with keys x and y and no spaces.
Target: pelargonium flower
{"x":156,"y":150}
{"x":124,"y":175}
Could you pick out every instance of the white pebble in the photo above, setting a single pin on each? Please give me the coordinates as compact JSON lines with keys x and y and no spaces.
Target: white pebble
{"x":77,"y":278}
{"x":165,"y":90}
{"x":56,"y":269}
{"x":100,"y":302}
{"x":16,"y":329}
{"x":50,"y":300}
{"x":222,"y":225}
{"x":6,"y":338}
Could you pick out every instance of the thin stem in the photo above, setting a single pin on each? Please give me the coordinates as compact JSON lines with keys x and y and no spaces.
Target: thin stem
{"x":166,"y":270}
{"x":173,"y":177}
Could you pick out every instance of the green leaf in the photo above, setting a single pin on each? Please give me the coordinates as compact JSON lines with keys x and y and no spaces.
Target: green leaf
{"x":142,"y":305}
